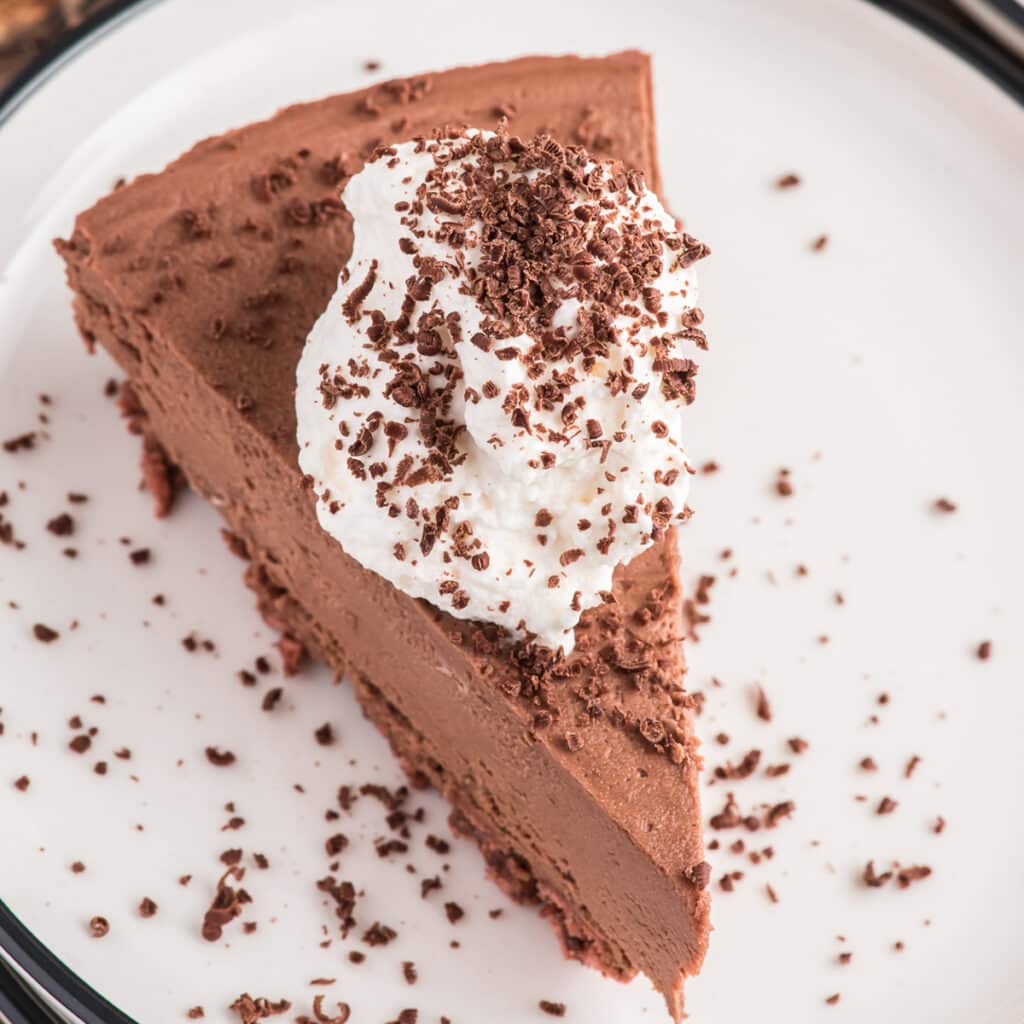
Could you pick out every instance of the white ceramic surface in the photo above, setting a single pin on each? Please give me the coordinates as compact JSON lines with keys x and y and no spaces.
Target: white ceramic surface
{"x":884,"y":371}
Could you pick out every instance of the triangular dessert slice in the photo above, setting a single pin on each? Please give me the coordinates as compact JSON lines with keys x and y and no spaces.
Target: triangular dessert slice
{"x":579,"y":780}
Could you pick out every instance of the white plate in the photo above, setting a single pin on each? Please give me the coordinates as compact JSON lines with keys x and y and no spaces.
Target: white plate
{"x":885,"y":371}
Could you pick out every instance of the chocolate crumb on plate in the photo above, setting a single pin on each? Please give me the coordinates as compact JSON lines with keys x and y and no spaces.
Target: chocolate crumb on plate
{"x":833,"y":999}
{"x":226,"y":904}
{"x":762,"y":706}
{"x":379,"y":934}
{"x":886,"y":805}
{"x":819,"y":243}
{"x":147,"y":908}
{"x":98,"y":927}
{"x":906,"y":877}
{"x":61,"y":526}
{"x":552,"y":1009}
{"x":220,"y":758}
{"x":984,"y":651}
{"x":195,"y":1013}
{"x":789,"y":180}
{"x":409,"y":972}
{"x":797,"y":744}
{"x":251,"y":1011}
{"x":944,"y":505}
{"x":44,"y":634}
{"x":454,"y":912}
{"x":325,"y":735}
{"x":872,"y":878}
{"x":22,"y":783}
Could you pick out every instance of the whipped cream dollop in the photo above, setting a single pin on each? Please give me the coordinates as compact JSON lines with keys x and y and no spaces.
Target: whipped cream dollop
{"x":490,"y":409}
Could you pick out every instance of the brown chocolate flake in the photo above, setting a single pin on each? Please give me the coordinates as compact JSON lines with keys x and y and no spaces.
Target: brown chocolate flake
{"x":906,"y":877}
{"x":762,"y":707}
{"x":44,"y":634}
{"x":874,"y":879}
{"x":552,"y":1009}
{"x":728,"y":817}
{"x":868,"y":764}
{"x":226,"y":905}
{"x":350,"y":307}
{"x":62,"y":525}
{"x":886,"y":805}
{"x":336,"y":844}
{"x":789,"y":180}
{"x":80,"y":744}
{"x":944,"y":505}
{"x":219,"y":758}
{"x":783,"y":484}
{"x":22,"y":783}
{"x":819,"y":243}
{"x":797,"y":745}
{"x":140,"y":556}
{"x":743,"y":769}
{"x":832,"y":999}
{"x":99,"y":927}
{"x":778,"y":812}
{"x":147,"y":908}
{"x":325,"y":735}
{"x":984,"y":651}
{"x":21,"y":443}
{"x":251,"y":1011}
{"x":409,"y":972}
{"x":379,"y":934}
{"x":453,"y":912}
{"x":271,"y":698}
{"x":911,"y":766}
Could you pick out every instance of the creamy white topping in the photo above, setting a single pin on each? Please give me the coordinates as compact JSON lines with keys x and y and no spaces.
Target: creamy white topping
{"x":493,"y":434}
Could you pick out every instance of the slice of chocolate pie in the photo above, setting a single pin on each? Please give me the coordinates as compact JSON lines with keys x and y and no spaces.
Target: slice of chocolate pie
{"x":453,"y":418}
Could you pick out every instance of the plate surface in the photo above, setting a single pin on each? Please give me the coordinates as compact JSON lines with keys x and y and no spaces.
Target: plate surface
{"x":884,"y":371}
